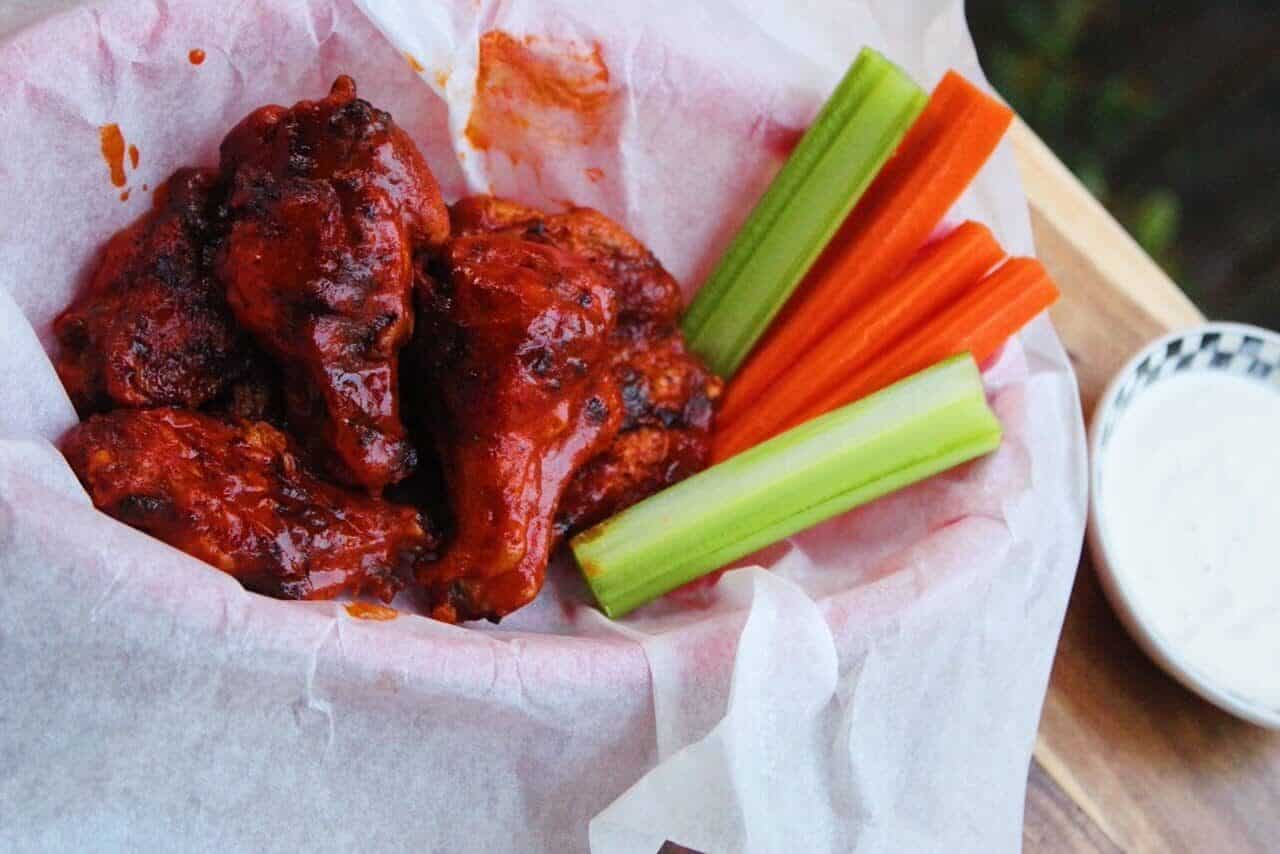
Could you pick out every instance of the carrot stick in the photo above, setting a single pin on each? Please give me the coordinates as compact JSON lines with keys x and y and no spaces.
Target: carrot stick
{"x":940,"y":156}
{"x":942,"y":272}
{"x":978,"y":323}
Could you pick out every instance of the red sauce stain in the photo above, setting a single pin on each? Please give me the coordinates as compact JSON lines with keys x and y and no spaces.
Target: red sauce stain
{"x":145,"y":188}
{"x":111,"y":141}
{"x":369,"y":611}
{"x":133,"y":156}
{"x":196,"y":56}
{"x":414,"y":64}
{"x":124,"y":197}
{"x":778,"y":138}
{"x":533,"y":90}
{"x":594,"y":174}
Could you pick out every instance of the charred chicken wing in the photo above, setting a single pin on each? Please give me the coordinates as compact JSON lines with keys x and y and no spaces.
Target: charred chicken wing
{"x":646,"y":291}
{"x":329,"y":200}
{"x":514,"y":338}
{"x":668,"y":395}
{"x":234,"y":494}
{"x":668,"y":414}
{"x":153,"y":328}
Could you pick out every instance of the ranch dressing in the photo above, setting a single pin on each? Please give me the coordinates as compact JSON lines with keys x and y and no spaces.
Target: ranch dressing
{"x":1191,"y":485}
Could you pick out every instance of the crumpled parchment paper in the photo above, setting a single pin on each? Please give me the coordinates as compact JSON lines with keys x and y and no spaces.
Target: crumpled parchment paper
{"x":877,"y":690}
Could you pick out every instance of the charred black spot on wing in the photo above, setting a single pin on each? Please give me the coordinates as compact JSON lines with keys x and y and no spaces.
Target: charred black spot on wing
{"x":138,"y":509}
{"x":597,"y":410}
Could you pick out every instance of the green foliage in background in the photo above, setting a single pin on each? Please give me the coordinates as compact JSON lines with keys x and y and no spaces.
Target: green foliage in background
{"x":1032,"y":51}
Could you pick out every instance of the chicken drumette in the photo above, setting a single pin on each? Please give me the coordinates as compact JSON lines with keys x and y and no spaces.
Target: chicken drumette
{"x":234,"y":494}
{"x":153,"y":328}
{"x":514,"y":339}
{"x":328,"y":202}
{"x":668,"y":395}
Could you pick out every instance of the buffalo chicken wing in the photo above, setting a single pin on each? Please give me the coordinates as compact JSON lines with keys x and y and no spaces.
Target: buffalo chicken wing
{"x":234,"y":494}
{"x":513,"y":338}
{"x":646,"y":291}
{"x":668,"y":410}
{"x":328,"y":203}
{"x":667,"y":393}
{"x":153,"y":329}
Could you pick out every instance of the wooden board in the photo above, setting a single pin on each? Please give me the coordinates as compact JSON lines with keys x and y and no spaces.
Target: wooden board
{"x":1126,"y":758}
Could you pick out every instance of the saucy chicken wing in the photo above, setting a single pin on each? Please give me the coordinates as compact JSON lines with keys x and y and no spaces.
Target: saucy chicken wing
{"x":668,"y":414}
{"x":514,"y":338}
{"x":646,"y":291}
{"x":667,"y":393}
{"x":153,"y":329}
{"x":234,"y":494}
{"x":329,"y":200}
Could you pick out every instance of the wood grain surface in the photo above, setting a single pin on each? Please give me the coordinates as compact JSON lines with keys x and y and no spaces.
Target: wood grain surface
{"x":1126,"y":758}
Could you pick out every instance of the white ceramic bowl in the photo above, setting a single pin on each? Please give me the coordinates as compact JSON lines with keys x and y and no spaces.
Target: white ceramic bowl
{"x":1228,"y":348}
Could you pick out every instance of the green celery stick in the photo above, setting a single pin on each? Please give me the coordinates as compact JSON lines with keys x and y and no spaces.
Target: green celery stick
{"x":910,"y":431}
{"x":857,"y":130}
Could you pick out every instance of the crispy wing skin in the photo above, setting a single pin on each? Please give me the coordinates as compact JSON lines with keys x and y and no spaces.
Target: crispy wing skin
{"x":668,"y":394}
{"x":329,"y":201}
{"x":153,"y":329}
{"x":233,"y":494}
{"x":515,"y":339}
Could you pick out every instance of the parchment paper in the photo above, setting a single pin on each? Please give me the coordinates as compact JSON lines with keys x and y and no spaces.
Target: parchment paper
{"x":877,"y":690}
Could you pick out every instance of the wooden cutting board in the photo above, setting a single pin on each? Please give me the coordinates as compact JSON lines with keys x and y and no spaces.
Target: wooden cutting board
{"x":1126,"y":758}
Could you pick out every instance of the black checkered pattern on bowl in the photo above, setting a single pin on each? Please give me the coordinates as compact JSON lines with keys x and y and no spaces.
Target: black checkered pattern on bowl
{"x":1234,"y":351}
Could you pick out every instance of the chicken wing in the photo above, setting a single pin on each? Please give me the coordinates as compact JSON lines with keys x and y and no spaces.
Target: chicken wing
{"x":153,"y":329}
{"x":234,"y":494}
{"x":668,"y":394}
{"x":646,"y":291}
{"x":328,"y":202}
{"x":514,"y":338}
{"x":668,"y":414}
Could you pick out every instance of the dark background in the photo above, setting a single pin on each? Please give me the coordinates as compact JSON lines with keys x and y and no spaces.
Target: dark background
{"x":1170,"y":113}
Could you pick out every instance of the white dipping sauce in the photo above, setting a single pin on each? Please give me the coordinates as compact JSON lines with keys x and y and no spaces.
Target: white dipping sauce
{"x":1191,"y":489}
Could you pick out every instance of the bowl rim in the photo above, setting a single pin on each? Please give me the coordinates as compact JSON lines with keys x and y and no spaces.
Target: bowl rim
{"x":1162,"y":651}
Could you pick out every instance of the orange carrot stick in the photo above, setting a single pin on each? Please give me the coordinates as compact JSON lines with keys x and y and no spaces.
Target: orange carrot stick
{"x":940,"y":156}
{"x":978,"y":323}
{"x":941,"y":272}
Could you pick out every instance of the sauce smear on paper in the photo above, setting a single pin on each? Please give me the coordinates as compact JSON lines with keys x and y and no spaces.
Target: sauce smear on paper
{"x":780,"y":139}
{"x":414,"y":64}
{"x":111,"y":141}
{"x":532,"y":90}
{"x":134,"y":157}
{"x":370,"y":611}
{"x":196,"y":56}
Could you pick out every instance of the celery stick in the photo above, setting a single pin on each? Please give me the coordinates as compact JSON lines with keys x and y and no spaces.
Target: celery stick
{"x":859,"y":127}
{"x":923,"y":425}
